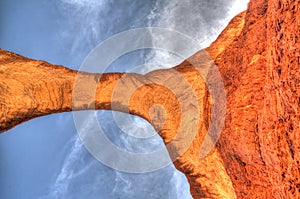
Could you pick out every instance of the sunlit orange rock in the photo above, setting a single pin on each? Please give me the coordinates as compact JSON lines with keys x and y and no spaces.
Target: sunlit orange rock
{"x":257,"y":154}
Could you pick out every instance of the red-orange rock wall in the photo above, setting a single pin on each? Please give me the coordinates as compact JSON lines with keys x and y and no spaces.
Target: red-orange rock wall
{"x":260,"y":142}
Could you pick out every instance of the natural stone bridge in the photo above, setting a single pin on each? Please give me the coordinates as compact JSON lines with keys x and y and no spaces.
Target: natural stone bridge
{"x":257,"y":155}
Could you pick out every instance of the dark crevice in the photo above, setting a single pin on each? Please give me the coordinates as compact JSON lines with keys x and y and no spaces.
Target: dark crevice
{"x":290,"y":144}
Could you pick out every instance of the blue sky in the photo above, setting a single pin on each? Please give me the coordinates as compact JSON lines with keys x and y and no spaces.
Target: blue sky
{"x":43,"y":158}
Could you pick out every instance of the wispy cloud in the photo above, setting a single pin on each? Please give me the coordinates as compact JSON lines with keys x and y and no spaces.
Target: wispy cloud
{"x":88,"y":22}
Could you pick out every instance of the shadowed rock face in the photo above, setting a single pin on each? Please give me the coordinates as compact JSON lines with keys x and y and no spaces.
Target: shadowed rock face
{"x":257,"y":155}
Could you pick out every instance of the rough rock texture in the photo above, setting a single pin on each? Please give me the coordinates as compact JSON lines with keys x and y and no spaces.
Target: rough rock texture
{"x":257,"y":155}
{"x":260,"y":142}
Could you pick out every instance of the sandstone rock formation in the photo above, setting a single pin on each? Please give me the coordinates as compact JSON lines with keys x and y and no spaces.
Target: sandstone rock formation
{"x":257,"y":154}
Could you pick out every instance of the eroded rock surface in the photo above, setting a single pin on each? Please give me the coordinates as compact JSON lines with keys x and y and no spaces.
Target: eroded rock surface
{"x":260,"y":142}
{"x":257,"y":155}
